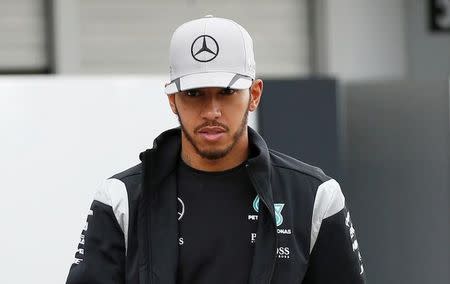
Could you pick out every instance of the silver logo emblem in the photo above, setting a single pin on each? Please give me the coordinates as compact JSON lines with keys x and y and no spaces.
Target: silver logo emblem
{"x":180,"y":208}
{"x":204,"y":48}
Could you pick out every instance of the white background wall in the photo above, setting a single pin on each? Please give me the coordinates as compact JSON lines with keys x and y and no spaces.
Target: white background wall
{"x":60,"y":137}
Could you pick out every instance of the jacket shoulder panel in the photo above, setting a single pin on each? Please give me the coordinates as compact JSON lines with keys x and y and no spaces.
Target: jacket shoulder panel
{"x":113,"y":193}
{"x":135,"y":170}
{"x":132,"y":179}
{"x":284,"y":161}
{"x":328,"y":202}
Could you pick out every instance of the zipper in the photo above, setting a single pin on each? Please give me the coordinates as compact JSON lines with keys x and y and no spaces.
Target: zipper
{"x":147,"y":249}
{"x":147,"y":245}
{"x":274,"y":256}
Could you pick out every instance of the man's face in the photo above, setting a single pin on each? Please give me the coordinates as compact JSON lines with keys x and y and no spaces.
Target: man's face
{"x":213,"y":120}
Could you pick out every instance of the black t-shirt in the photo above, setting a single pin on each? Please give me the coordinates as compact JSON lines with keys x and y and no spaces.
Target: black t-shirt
{"x":216,"y":224}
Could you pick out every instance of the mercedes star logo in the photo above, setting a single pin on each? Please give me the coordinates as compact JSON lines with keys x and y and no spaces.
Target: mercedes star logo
{"x":180,"y":208}
{"x":204,"y":48}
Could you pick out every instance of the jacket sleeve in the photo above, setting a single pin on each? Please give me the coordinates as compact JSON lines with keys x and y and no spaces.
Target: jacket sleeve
{"x":335,"y":256}
{"x":100,"y":256}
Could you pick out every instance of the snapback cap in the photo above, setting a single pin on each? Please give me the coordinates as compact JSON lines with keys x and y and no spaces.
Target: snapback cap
{"x":210,"y":52}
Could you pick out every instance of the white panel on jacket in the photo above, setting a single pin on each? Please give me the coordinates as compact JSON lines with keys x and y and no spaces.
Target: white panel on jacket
{"x":329,"y":201}
{"x":113,"y":192}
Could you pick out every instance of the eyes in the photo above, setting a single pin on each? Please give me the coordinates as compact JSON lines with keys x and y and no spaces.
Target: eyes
{"x":228,"y":91}
{"x":197,"y":92}
{"x":192,"y":93}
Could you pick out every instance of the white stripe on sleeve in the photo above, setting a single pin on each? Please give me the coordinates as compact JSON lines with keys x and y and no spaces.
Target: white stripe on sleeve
{"x":113,"y":192}
{"x":329,"y":201}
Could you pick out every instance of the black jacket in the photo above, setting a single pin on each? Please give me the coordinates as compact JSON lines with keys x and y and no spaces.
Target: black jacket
{"x":304,"y":234}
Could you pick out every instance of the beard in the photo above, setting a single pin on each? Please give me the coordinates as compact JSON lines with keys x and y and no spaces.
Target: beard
{"x":215,"y":154}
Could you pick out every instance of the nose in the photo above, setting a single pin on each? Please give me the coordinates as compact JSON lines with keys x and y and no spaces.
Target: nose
{"x":211,"y":108}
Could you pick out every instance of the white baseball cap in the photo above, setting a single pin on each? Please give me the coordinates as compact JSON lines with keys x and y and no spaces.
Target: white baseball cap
{"x":210,"y":52}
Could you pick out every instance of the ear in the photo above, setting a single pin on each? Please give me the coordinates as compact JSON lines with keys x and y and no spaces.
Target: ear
{"x":256,"y":90}
{"x":172,"y":104}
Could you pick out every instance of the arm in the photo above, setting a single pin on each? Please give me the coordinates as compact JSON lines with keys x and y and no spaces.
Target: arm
{"x":334,"y":253}
{"x":100,"y":257}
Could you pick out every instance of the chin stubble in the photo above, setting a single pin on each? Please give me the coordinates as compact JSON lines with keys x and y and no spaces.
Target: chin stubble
{"x":215,"y":155}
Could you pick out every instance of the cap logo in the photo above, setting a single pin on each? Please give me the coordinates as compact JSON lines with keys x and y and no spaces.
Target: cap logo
{"x":204,"y":48}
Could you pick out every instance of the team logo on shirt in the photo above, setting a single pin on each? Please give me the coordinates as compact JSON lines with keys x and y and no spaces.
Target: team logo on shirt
{"x":180,"y":208}
{"x":180,"y":212}
{"x":277,"y":206}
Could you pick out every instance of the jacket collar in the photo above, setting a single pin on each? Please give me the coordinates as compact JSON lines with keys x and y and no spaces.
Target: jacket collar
{"x":259,"y":168}
{"x":166,"y":151}
{"x":163,"y":157}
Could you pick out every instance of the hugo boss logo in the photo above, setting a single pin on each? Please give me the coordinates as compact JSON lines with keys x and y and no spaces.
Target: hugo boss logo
{"x":283,"y":252}
{"x":204,"y":48}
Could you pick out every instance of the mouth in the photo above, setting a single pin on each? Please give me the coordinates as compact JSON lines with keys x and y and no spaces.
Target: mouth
{"x":212,"y":133}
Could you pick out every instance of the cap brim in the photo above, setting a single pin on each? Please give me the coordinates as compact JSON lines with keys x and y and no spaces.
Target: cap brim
{"x":209,"y":79}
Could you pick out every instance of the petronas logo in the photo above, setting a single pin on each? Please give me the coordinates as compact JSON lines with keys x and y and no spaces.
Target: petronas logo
{"x":277,"y":206}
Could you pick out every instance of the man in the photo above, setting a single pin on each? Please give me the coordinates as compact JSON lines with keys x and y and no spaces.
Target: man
{"x":210,"y":203}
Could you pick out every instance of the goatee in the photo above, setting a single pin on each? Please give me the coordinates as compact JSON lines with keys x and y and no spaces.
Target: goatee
{"x":220,"y":153}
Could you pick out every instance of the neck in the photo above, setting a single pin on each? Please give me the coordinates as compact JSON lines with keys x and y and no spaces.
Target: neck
{"x":237,"y":155}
